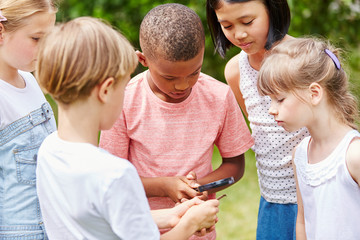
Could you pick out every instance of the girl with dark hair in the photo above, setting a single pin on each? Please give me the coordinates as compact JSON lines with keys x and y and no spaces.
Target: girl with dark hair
{"x":255,"y":26}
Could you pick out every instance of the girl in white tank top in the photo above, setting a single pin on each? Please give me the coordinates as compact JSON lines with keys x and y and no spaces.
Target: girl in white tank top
{"x":309,"y":88}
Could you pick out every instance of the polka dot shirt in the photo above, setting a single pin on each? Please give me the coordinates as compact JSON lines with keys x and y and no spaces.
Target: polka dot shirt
{"x":273,"y":145}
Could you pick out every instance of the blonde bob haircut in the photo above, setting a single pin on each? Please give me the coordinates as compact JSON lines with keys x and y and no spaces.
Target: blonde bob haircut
{"x":78,"y":55}
{"x":17,"y":11}
{"x":297,"y":63}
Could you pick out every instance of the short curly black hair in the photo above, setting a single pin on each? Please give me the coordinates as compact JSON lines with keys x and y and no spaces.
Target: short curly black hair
{"x":172,"y":31}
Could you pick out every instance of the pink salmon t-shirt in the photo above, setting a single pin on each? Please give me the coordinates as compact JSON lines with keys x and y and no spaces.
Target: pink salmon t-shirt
{"x":172,"y":139}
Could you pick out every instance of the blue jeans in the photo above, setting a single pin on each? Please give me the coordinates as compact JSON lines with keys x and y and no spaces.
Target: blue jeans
{"x":276,"y":221}
{"x":20,"y":216}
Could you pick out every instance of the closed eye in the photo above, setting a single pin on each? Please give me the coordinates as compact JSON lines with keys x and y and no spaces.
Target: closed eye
{"x":195,"y":73}
{"x":248,"y":23}
{"x":169,"y":78}
{"x":227,"y":26}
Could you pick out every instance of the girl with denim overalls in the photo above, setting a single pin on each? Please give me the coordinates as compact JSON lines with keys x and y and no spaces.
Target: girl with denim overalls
{"x":26,"y":117}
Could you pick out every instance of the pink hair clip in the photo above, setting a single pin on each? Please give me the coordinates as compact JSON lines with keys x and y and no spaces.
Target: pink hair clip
{"x":2,"y":18}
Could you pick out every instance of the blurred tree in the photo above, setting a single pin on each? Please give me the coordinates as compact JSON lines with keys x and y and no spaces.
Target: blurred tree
{"x":334,"y":19}
{"x":338,"y":20}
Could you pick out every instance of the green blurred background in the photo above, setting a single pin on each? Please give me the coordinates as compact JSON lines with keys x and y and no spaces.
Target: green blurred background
{"x":337,"y":20}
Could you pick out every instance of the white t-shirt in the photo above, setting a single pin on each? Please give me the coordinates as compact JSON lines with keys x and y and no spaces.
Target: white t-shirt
{"x":87,"y":193}
{"x":16,"y":103}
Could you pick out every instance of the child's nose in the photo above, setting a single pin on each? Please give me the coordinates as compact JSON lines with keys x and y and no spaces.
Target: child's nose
{"x":272,"y":110}
{"x":240,"y":33}
{"x":182,"y":85}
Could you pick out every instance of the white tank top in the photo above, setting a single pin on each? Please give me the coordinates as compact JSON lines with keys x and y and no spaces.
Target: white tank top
{"x":331,"y":198}
{"x":273,"y":145}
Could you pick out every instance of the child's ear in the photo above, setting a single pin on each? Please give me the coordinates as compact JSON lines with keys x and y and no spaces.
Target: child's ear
{"x":141,"y":58}
{"x":316,"y":93}
{"x":105,"y":89}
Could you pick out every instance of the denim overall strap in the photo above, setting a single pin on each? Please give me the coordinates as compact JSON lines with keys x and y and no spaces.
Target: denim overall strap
{"x":35,"y":117}
{"x":20,"y":215}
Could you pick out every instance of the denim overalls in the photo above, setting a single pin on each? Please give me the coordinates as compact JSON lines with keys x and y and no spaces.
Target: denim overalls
{"x":20,"y":216}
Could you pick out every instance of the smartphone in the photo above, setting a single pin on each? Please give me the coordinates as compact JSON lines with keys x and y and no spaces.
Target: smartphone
{"x":216,"y":184}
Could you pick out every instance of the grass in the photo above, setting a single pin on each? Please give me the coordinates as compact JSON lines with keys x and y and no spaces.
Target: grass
{"x":238,"y":211}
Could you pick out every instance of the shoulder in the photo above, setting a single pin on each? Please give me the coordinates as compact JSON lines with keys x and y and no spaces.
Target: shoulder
{"x":135,"y":90}
{"x":299,"y":152}
{"x":210,"y":81}
{"x":136,"y":81}
{"x":232,"y":71}
{"x":29,"y":78}
{"x":26,"y":75}
{"x":295,"y":152}
{"x":353,"y":159}
{"x":31,"y":82}
{"x":213,"y":94}
{"x":114,"y":161}
{"x":51,"y":140}
{"x":116,"y":173}
{"x":103,"y":168}
{"x":211,"y":86}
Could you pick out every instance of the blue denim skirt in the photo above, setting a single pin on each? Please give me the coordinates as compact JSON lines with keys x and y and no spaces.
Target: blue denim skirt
{"x":276,"y":221}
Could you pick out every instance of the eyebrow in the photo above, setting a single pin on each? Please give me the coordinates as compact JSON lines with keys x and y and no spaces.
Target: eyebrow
{"x":169,"y":76}
{"x":39,"y":32}
{"x":239,"y":18}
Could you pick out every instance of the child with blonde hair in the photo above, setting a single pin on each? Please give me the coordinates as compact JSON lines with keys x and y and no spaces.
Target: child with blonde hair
{"x":26,"y":117}
{"x":309,"y":88}
{"x":84,"y":191}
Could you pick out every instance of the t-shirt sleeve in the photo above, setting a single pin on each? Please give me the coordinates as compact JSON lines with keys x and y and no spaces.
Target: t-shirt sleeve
{"x":116,"y":140}
{"x":235,"y":137}
{"x":127,"y":210}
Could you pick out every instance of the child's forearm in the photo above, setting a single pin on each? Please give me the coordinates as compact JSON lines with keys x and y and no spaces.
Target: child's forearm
{"x":183,"y":231}
{"x":161,"y":218}
{"x":231,"y":167}
{"x":300,"y":231}
{"x":169,"y":217}
{"x":153,"y":186}
{"x":198,"y":217}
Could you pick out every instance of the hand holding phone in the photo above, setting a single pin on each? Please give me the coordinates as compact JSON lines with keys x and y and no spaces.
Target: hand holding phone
{"x":216,"y":184}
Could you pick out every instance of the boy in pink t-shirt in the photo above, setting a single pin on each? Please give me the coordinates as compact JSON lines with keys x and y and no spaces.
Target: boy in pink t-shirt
{"x":173,"y":114}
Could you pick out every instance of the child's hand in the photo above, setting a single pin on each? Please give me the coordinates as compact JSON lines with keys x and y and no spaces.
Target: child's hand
{"x":203,"y":216}
{"x":179,"y":187}
{"x":180,"y":209}
{"x":191,"y":176}
{"x":194,"y":184}
{"x":204,"y":231}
